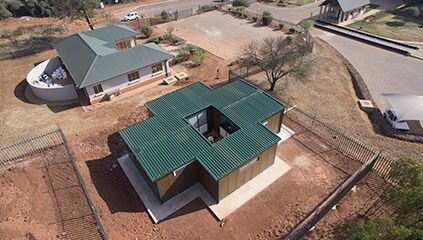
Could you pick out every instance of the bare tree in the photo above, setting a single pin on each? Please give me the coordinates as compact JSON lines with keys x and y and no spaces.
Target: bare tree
{"x":77,"y":9}
{"x":278,"y":57}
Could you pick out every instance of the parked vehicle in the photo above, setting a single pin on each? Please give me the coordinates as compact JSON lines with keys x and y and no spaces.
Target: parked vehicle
{"x":391,"y":118}
{"x":131,"y":16}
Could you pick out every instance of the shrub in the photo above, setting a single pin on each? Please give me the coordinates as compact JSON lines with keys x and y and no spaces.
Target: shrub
{"x":241,"y":3}
{"x":267,"y":13}
{"x":411,"y":12}
{"x":4,"y":13}
{"x":198,"y":56}
{"x":309,"y":25}
{"x":146,"y":31}
{"x":164,"y":15}
{"x":292,"y":30}
{"x":169,"y":38}
{"x":281,"y":25}
{"x":255,"y":19}
{"x":178,"y":59}
{"x":267,"y":18}
{"x":207,"y":8}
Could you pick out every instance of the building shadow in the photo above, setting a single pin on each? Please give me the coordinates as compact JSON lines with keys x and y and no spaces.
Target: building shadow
{"x":24,"y":94}
{"x":193,"y":206}
{"x":117,"y":191}
{"x":19,"y":91}
{"x":111,"y":182}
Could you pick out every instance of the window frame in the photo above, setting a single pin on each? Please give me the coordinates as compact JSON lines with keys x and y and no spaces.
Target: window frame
{"x":96,"y":89}
{"x":123,"y":44}
{"x":131,"y":76}
{"x":154,"y":72}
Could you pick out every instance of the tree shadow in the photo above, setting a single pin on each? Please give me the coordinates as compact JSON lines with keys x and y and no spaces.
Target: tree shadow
{"x":395,"y":24}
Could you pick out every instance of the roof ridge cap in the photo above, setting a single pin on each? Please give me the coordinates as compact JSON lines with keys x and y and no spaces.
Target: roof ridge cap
{"x":85,"y":41}
{"x":89,"y":69}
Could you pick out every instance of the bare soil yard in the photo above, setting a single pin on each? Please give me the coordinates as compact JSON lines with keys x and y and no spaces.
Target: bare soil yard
{"x":41,"y":199}
{"x":219,"y":33}
{"x":316,"y":171}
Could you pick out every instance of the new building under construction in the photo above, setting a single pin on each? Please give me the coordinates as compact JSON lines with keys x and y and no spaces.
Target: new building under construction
{"x":221,"y":138}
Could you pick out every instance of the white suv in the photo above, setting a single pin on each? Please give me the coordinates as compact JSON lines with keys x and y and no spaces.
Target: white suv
{"x":391,"y":118}
{"x":131,"y":16}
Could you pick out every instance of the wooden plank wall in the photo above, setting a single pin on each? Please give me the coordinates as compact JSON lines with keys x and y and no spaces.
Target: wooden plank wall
{"x":237,"y":178}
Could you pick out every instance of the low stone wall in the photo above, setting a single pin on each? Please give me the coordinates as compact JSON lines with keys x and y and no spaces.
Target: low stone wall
{"x":376,"y":117}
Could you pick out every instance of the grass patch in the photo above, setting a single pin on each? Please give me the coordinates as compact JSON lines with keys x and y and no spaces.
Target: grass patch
{"x":393,"y":26}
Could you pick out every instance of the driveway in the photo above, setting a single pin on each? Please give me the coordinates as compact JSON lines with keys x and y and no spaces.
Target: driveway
{"x":292,"y":15}
{"x":218,"y":33}
{"x":383,"y":71}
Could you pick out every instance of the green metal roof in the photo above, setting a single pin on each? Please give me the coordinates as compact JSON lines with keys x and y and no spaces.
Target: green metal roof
{"x":167,"y":141}
{"x":91,"y":57}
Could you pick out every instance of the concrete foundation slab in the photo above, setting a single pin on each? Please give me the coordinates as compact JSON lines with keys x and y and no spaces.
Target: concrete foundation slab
{"x":159,"y":212}
{"x":285,"y":133}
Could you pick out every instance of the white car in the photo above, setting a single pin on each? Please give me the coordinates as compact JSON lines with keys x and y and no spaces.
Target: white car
{"x":131,"y":16}
{"x":391,"y":118}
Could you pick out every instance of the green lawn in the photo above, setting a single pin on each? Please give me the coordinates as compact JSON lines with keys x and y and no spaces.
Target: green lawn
{"x":392,"y":26}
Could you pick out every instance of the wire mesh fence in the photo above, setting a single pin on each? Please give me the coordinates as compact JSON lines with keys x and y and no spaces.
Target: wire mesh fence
{"x":76,"y":214}
{"x":347,"y":145}
{"x":320,"y":211}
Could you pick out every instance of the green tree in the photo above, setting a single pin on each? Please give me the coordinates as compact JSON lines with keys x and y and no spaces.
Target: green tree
{"x":198,"y":56}
{"x":146,"y":31}
{"x":278,"y":57}
{"x":76,"y":9}
{"x":405,"y":199}
{"x":4,"y":12}
{"x":164,"y":15}
{"x":380,"y":229}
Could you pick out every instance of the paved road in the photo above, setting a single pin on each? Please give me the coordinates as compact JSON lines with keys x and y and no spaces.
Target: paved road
{"x":155,"y":8}
{"x":292,"y":15}
{"x":382,"y":70}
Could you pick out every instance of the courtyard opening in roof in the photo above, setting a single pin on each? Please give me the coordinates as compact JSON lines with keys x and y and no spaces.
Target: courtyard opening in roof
{"x":212,"y":124}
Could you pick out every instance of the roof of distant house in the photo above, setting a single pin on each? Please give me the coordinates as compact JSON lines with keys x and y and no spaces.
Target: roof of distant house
{"x":167,"y":141}
{"x":92,"y":57}
{"x":348,"y":5}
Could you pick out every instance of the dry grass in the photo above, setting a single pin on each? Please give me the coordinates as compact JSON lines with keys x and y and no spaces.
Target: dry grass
{"x":392,"y":26}
{"x":328,"y":93}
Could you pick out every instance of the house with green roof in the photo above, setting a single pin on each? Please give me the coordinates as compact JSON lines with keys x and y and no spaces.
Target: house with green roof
{"x":103,"y":63}
{"x":221,"y":138}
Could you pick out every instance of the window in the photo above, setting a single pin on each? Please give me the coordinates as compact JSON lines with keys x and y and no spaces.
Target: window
{"x":98,"y":89}
{"x":123,"y":45}
{"x":199,"y":122}
{"x":243,"y":168}
{"x":157,"y":68}
{"x":133,"y":76}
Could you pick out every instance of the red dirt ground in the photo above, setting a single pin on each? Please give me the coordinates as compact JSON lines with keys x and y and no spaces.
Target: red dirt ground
{"x":316,"y":171}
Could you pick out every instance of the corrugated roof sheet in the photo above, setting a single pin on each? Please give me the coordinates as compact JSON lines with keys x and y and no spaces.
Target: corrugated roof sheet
{"x":167,"y":141}
{"x":348,"y":5}
{"x":91,"y":57}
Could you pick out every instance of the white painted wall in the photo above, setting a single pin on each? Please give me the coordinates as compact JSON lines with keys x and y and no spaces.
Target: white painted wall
{"x":55,"y":92}
{"x":113,"y":85}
